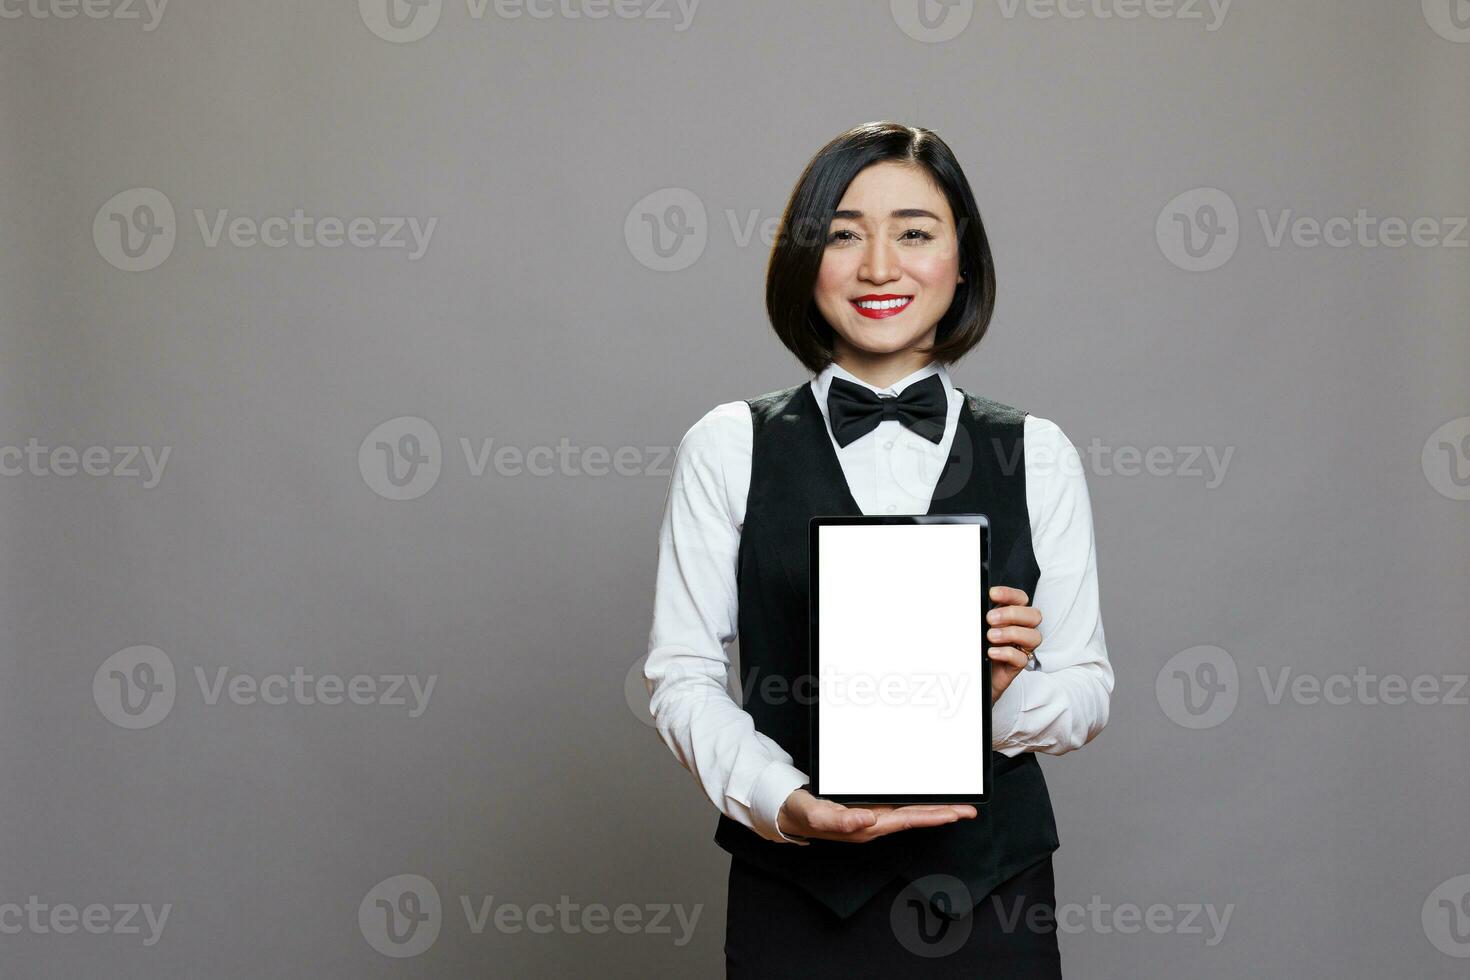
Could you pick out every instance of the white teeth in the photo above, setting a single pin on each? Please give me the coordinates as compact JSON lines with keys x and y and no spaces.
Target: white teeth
{"x":884,"y":304}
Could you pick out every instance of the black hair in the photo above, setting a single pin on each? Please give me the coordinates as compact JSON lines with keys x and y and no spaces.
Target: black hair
{"x":801,"y":240}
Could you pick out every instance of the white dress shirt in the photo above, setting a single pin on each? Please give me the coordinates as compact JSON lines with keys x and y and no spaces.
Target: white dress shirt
{"x":1054,"y":709}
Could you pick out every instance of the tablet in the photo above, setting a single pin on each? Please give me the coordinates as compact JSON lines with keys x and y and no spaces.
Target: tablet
{"x":901,"y":665}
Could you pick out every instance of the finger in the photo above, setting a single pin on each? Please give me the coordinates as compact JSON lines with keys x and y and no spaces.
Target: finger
{"x":1014,"y":616}
{"x":1009,"y":656}
{"x":1014,"y":636}
{"x":961,"y":810}
{"x":911,"y":818}
{"x":1004,"y":595}
{"x":841,"y":820}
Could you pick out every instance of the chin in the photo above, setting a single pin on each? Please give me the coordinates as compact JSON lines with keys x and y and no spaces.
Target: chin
{"x":877,"y":341}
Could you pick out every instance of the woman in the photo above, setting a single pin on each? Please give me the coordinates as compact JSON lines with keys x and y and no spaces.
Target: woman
{"x":881,"y":276}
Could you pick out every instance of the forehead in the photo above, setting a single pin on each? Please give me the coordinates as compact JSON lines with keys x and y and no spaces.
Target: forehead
{"x":888,"y":186}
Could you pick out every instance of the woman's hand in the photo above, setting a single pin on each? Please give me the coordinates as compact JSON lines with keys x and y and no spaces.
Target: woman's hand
{"x":804,"y":815}
{"x":1011,"y":632}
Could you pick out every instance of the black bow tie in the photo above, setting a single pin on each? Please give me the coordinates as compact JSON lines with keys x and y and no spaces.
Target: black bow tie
{"x":855,"y":411}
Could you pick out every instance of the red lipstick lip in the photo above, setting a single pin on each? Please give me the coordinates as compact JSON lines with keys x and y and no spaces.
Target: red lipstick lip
{"x":881,"y":314}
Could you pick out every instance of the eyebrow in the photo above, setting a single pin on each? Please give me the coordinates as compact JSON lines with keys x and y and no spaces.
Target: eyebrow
{"x":900,"y":213}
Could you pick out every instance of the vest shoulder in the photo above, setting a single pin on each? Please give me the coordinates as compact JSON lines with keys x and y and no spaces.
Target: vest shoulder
{"x":773,"y":403}
{"x":989,"y":410}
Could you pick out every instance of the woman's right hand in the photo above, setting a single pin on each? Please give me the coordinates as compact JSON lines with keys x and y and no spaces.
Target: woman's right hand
{"x":804,"y":815}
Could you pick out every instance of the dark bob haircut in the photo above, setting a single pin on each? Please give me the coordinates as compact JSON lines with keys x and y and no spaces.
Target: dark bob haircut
{"x":801,"y":240}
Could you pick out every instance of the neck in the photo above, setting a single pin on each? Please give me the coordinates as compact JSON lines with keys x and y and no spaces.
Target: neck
{"x":879,"y":370}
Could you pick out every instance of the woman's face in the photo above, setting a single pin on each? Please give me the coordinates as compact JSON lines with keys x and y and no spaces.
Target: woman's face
{"x":891,"y":262}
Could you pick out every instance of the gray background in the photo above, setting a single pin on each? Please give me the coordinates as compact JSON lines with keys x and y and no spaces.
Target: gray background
{"x":532,"y":317}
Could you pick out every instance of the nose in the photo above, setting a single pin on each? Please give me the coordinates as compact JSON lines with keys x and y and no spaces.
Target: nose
{"x":880,"y":262}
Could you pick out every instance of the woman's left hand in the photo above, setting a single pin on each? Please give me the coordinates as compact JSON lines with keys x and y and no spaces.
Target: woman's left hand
{"x":1011,"y":630}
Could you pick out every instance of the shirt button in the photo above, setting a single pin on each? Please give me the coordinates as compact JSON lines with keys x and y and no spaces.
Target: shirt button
{"x":891,"y":508}
{"x":888,"y":444}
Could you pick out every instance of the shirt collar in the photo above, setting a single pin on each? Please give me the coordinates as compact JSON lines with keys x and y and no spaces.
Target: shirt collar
{"x":823,"y":381}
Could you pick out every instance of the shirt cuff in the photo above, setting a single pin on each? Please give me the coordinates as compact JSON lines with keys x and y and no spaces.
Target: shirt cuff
{"x":1005,"y":714}
{"x":777,"y":781}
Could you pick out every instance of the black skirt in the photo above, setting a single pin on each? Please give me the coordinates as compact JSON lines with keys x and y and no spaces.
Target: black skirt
{"x":774,"y":929}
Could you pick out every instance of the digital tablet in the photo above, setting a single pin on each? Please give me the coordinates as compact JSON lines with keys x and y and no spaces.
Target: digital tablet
{"x":899,"y":658}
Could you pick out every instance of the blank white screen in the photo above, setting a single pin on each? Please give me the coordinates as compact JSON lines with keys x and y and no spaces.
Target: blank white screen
{"x":901,"y":682}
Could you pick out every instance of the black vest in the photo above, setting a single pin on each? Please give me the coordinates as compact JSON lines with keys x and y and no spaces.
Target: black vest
{"x":796,"y":475}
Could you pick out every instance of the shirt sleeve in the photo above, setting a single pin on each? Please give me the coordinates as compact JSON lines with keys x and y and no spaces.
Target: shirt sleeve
{"x":1063,"y":703}
{"x":744,"y":773}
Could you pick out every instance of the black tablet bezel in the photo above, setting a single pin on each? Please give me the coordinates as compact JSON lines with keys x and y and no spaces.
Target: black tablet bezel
{"x":814,"y":654}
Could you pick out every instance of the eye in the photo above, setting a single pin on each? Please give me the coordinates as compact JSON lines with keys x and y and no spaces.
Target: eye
{"x":924,"y":236}
{"x":836,"y":236}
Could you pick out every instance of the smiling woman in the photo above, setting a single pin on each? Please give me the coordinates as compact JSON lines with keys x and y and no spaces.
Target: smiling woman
{"x":896,"y":240}
{"x":880,"y":277}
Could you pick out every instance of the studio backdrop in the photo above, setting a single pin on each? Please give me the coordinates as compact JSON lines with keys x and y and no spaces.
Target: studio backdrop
{"x":345,"y":352}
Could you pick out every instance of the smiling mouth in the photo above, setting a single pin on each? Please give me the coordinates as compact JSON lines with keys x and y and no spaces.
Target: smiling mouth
{"x":881,"y":307}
